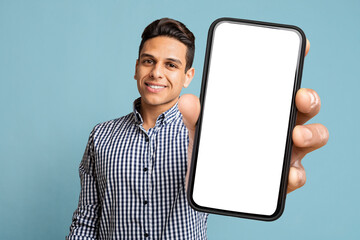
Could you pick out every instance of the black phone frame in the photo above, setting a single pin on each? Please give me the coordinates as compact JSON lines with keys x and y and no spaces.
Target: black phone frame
{"x":293,"y":114}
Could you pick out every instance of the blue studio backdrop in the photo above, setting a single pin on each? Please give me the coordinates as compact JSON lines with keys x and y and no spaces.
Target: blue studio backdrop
{"x":68,"y":65}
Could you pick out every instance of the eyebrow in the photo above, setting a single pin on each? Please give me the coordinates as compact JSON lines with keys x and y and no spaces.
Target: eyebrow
{"x":169,"y":59}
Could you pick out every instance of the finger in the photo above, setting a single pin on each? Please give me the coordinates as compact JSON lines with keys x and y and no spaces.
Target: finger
{"x":310,"y":137}
{"x":307,"y":48}
{"x":308,"y":105}
{"x":297,"y":175}
{"x":297,"y":178}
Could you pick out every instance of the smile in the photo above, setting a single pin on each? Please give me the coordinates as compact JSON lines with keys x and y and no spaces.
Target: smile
{"x":154,"y":88}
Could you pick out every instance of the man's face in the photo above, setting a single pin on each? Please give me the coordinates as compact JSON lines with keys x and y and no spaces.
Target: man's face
{"x":160,"y":71}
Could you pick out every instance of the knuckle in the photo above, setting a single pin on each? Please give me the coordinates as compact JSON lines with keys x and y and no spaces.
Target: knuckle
{"x":297,"y":178}
{"x":301,"y":178}
{"x":302,"y":181}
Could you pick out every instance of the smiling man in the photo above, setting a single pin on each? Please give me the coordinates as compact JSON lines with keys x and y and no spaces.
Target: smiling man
{"x":161,"y":73}
{"x":133,"y":172}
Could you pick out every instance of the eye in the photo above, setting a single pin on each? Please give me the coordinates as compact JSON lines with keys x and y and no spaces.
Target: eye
{"x":171,"y":65}
{"x":148,"y":61}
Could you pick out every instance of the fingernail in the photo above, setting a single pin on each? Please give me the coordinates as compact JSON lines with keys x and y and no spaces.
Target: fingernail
{"x":309,"y":100}
{"x":306,"y":134}
{"x":312,"y":100}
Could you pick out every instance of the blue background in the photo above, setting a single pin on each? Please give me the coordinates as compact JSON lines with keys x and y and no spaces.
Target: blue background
{"x":68,"y":65}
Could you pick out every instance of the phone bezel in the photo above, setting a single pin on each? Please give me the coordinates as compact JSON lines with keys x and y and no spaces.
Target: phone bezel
{"x":293,"y":114}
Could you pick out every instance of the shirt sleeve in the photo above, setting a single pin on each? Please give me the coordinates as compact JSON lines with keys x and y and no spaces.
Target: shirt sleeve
{"x":86,"y":217}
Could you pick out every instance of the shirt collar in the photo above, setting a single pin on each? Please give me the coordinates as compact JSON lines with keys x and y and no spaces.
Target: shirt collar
{"x":165,"y":117}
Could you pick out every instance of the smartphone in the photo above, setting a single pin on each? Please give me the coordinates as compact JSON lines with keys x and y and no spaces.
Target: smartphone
{"x":242,"y":145}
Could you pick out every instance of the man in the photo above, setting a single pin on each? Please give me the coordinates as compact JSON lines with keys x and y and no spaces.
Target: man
{"x":134,"y":167}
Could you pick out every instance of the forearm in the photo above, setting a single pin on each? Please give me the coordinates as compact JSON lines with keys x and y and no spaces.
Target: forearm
{"x":86,"y":217}
{"x":84,"y":223}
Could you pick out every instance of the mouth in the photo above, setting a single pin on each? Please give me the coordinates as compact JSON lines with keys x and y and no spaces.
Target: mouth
{"x":154,"y":88}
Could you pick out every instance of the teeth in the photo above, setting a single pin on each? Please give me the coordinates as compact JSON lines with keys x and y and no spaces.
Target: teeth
{"x":155,"y":87}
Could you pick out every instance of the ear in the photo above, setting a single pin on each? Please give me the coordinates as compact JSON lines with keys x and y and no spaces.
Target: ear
{"x":136,"y":69}
{"x":188,"y":77}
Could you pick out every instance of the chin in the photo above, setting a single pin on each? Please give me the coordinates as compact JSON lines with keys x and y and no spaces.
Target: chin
{"x":152,"y":100}
{"x":157,"y":101}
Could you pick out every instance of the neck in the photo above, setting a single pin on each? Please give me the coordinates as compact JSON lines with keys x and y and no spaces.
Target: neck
{"x":150,"y":113}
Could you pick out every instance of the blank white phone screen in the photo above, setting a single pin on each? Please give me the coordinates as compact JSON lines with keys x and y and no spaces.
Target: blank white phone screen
{"x":246,"y":117}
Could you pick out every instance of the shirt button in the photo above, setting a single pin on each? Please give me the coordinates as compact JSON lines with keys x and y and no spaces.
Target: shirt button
{"x":145,"y":169}
{"x":146,"y":235}
{"x":146,"y":139}
{"x":145,"y":202}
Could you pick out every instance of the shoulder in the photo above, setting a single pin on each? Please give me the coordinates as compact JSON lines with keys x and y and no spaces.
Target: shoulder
{"x":111,"y":125}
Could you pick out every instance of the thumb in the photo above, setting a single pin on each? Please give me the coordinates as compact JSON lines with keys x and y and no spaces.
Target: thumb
{"x":189,"y":106}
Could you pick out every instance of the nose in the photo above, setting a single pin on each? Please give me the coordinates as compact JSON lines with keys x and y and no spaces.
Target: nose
{"x":156,"y":71}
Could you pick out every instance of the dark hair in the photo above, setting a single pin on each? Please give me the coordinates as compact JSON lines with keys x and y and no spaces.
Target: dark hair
{"x":174,"y":29}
